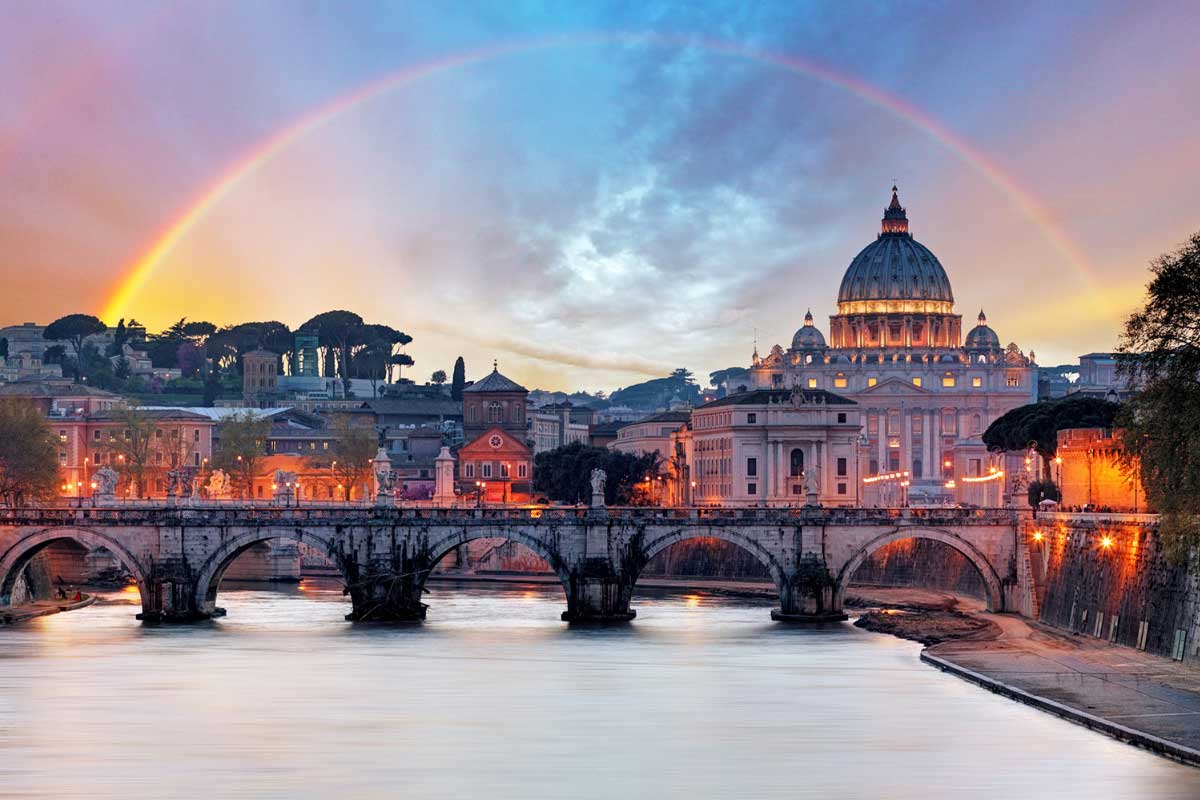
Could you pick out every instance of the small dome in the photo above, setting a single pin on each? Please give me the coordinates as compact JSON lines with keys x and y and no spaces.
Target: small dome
{"x":981,"y":337}
{"x":808,"y":337}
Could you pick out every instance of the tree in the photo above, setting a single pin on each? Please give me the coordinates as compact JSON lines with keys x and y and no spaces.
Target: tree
{"x":119,"y":338}
{"x":74,"y":328}
{"x":459,"y":381}
{"x":565,"y":473}
{"x":1042,"y":490}
{"x":28,"y":455}
{"x":1037,"y":425}
{"x":1160,"y":352}
{"x":132,"y":450}
{"x":241,"y":445}
{"x":438,"y":377}
{"x":350,"y":454}
{"x":54,"y":354}
{"x":400,"y":361}
{"x":3,"y":347}
{"x":336,"y":332}
{"x":190,"y":358}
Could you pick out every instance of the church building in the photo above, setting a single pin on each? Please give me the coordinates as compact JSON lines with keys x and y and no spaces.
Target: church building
{"x":495,"y":464}
{"x":925,"y":394}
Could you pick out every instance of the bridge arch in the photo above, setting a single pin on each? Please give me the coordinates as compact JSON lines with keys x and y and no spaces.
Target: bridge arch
{"x":21,"y":552}
{"x":213,"y":570}
{"x":991,"y":579}
{"x":661,"y":542}
{"x":538,"y":544}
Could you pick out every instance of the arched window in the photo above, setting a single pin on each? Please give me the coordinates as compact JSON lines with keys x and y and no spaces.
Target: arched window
{"x":495,"y":412}
{"x":797,"y":462}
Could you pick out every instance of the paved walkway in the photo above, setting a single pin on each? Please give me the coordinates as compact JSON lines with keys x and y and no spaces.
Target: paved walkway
{"x":1147,"y":693}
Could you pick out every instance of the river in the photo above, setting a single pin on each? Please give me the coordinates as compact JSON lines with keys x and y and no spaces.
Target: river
{"x":494,"y":697}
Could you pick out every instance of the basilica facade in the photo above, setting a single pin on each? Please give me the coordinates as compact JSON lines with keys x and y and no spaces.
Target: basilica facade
{"x":925,"y":393}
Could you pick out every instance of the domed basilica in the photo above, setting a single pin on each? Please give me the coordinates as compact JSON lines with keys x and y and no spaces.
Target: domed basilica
{"x":896,"y":348}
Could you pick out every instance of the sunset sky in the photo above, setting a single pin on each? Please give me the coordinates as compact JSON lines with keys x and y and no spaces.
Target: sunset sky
{"x":592,"y":193}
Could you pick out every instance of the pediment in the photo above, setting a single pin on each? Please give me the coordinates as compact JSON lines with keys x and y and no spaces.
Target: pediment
{"x":483,"y":445}
{"x":895,"y":387}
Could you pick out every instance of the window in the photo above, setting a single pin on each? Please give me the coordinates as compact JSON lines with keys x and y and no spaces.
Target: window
{"x":62,"y":436}
{"x":893,"y":420}
{"x":841,"y":418}
{"x":62,"y":458}
{"x":751,"y":467}
{"x":841,"y":467}
{"x":976,"y":383}
{"x":1013,"y":381}
{"x":196,"y":459}
{"x":797,"y":488}
{"x":196,"y":435}
{"x":976,"y":424}
{"x":916,"y":381}
{"x":495,"y":412}
{"x":917,"y":467}
{"x":797,"y":462}
{"x":751,"y":488}
{"x":949,"y":420}
{"x":777,"y":380}
{"x":96,"y":436}
{"x":487,"y":469}
{"x":504,"y":470}
{"x":840,"y":382}
{"x":872,"y":381}
{"x":522,"y":470}
{"x":469,"y":470}
{"x":158,"y":433}
{"x":841,"y":488}
{"x":158,"y":458}
{"x":873,"y":424}
{"x":751,"y":419}
{"x":948,"y":381}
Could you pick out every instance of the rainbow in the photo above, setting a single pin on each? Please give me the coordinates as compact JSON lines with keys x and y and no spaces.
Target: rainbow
{"x":135,"y":276}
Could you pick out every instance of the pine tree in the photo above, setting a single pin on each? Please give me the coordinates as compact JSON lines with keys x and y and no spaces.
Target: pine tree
{"x":459,"y":381}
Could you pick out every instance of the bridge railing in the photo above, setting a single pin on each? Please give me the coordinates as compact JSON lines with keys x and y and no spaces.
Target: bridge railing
{"x":1099,"y":516}
{"x":217,"y":512}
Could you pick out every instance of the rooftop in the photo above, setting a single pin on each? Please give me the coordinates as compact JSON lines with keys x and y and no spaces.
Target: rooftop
{"x":766,"y":396}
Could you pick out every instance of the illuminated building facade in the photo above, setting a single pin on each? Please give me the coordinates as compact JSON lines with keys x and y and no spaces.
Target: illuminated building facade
{"x":925,"y":393}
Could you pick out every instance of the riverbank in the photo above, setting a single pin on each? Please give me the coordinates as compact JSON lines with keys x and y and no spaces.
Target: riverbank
{"x":1134,"y":697}
{"x":43,"y":608}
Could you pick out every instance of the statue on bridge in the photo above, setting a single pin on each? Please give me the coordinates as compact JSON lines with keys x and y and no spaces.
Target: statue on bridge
{"x":218,"y":485}
{"x":599,"y":480}
{"x":385,"y":481}
{"x":106,"y":484}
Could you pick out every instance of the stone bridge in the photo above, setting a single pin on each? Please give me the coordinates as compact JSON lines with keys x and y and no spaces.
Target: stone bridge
{"x":177,"y":555}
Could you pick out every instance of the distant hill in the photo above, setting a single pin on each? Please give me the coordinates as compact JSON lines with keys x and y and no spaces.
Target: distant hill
{"x":676,"y":389}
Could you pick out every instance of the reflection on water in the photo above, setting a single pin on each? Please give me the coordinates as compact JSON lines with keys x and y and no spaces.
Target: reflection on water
{"x":494,"y":697}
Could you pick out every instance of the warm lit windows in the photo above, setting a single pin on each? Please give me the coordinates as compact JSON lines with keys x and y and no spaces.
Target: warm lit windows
{"x":976,"y":383}
{"x":812,"y":383}
{"x":872,"y":381}
{"x":1014,"y":381}
{"x":949,"y":381}
{"x":839,"y":381}
{"x":916,"y":381}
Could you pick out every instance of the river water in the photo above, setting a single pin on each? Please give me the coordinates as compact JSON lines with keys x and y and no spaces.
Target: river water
{"x":494,"y":697}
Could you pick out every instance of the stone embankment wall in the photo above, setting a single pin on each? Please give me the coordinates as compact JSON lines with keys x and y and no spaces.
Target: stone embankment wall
{"x":1108,"y":578}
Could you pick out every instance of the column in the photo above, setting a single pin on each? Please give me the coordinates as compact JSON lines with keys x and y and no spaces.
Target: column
{"x":882,"y":445}
{"x":906,"y":440}
{"x":935,"y":419}
{"x":927,"y":466}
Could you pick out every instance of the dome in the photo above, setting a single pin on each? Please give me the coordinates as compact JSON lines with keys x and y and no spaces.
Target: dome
{"x":896,"y":267}
{"x":808,"y":337}
{"x":981,"y":337}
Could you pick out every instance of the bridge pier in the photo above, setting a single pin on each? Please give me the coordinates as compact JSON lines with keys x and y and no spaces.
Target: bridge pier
{"x":174,"y":601}
{"x":809,"y":594}
{"x":598,"y":599}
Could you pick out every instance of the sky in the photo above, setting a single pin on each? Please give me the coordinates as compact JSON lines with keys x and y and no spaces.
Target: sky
{"x":591,"y":193}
